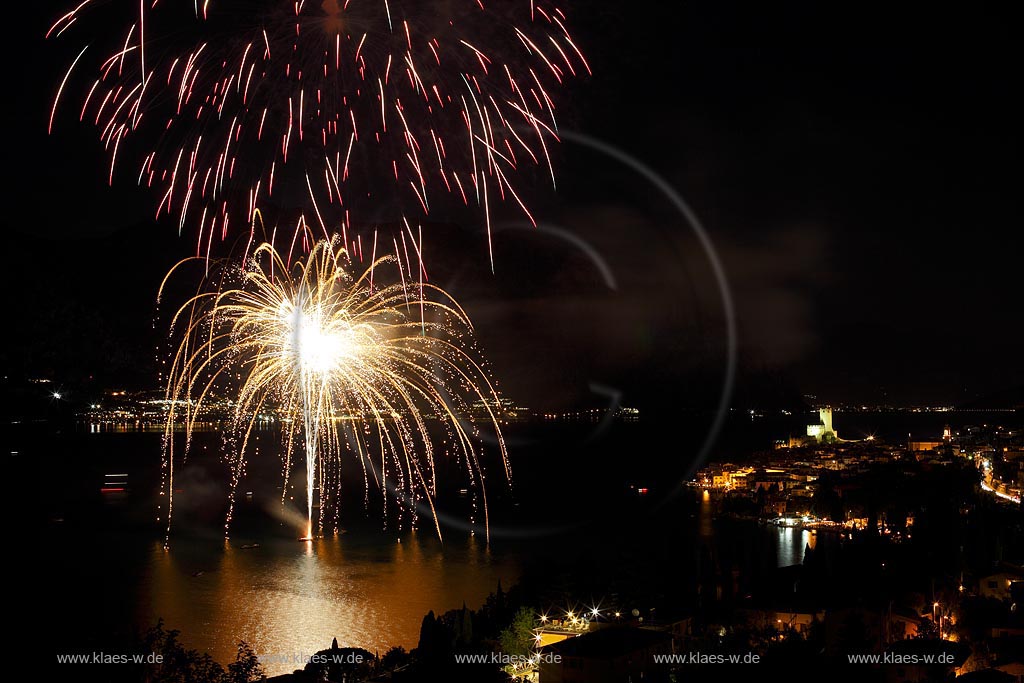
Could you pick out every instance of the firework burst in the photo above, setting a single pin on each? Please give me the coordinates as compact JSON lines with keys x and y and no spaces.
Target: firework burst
{"x":345,"y":104}
{"x":354,"y":366}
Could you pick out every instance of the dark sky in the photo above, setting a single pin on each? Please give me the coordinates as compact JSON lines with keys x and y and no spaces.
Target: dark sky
{"x":856,"y":165}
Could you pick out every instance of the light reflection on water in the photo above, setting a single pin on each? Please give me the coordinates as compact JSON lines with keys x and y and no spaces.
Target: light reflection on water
{"x":706,"y":516}
{"x":289,"y":598}
{"x":790,"y":544}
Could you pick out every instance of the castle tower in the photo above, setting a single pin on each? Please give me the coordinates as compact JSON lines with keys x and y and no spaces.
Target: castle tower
{"x":823,"y":426}
{"x":825,"y":415}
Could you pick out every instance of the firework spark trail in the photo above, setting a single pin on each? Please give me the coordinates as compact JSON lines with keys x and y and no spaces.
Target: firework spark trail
{"x":378,"y":101}
{"x":344,"y":363}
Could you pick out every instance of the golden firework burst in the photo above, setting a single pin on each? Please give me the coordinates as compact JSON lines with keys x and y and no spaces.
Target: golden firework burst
{"x":376,"y":366}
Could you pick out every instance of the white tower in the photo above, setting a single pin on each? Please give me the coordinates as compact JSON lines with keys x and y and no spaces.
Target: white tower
{"x":823,"y":426}
{"x":825,"y":415}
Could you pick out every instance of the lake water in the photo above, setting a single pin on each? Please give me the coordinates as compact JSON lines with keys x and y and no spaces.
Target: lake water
{"x":288,"y":598}
{"x":107,"y":575}
{"x":367,"y":588}
{"x":105,"y":564}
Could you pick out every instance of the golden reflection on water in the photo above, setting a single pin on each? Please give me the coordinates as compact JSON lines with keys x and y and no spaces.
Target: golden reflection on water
{"x":290,"y":599}
{"x":706,"y":516}
{"x":790,"y":544}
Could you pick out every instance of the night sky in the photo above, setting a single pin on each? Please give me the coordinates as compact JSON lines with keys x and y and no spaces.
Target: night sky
{"x":856,"y":165}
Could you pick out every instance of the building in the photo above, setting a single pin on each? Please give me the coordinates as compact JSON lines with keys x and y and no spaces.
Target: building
{"x":1000,"y":586}
{"x":868,"y":629}
{"x":800,"y":621}
{"x":614,"y":654}
{"x":924,"y":445}
{"x":822,"y":429}
{"x":546,"y":635}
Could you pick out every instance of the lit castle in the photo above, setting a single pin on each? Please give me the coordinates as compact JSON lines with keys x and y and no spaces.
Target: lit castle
{"x":823,"y":428}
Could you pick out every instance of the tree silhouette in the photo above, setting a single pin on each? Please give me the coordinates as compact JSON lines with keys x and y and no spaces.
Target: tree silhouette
{"x":246,"y":668}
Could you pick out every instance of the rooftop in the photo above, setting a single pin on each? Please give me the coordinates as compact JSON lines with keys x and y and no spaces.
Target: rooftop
{"x":610,"y":642}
